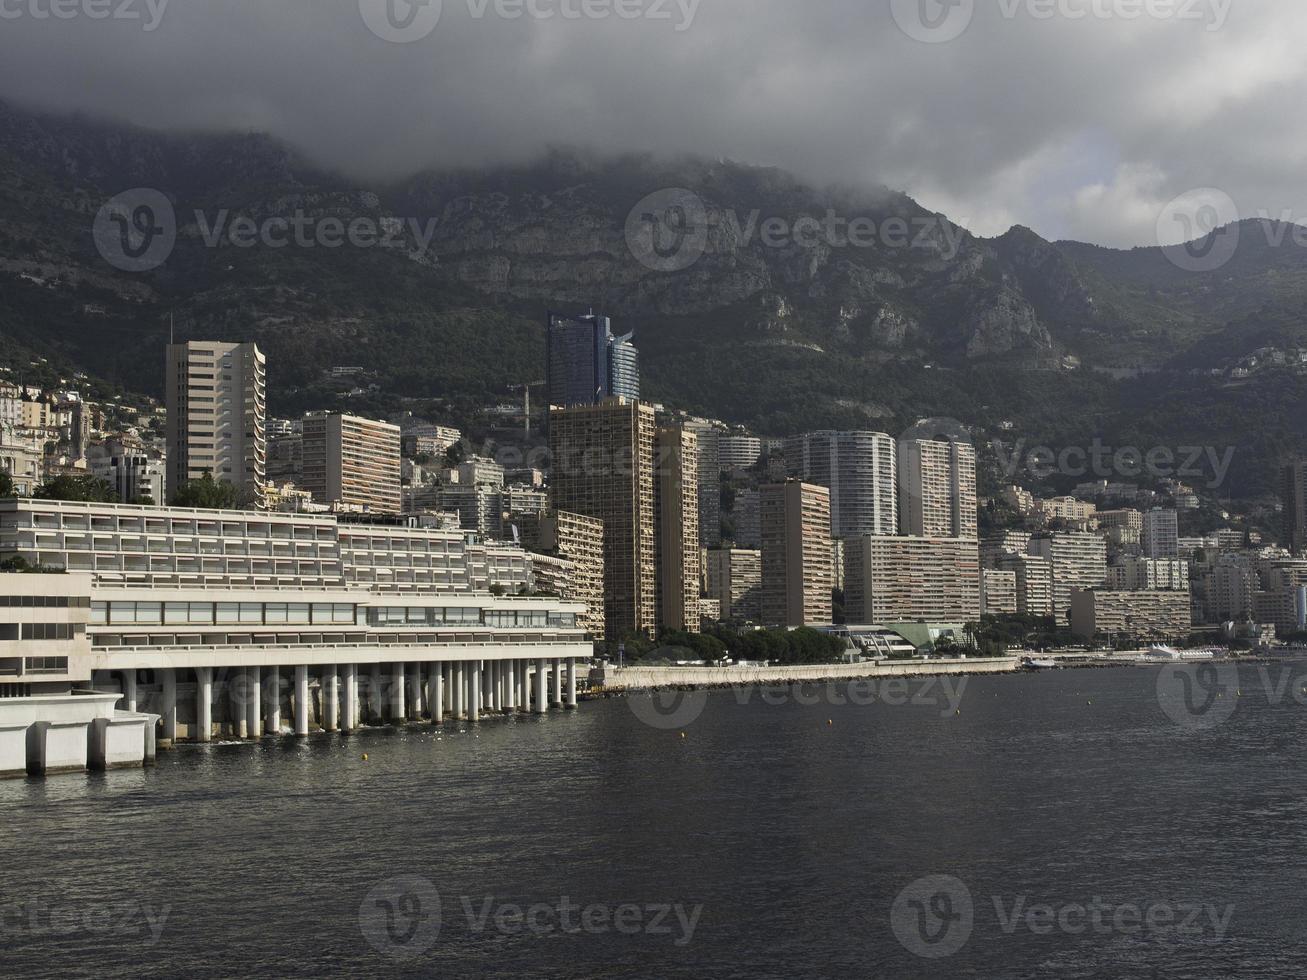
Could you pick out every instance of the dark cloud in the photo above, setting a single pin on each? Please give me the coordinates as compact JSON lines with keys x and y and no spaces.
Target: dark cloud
{"x":1080,"y":126}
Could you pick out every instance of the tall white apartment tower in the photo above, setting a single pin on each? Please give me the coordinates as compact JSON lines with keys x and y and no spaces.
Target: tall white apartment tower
{"x":937,"y":489}
{"x":216,"y":410}
{"x":859,"y":469}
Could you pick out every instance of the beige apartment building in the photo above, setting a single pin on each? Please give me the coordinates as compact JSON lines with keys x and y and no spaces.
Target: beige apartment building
{"x":798,"y":571}
{"x":216,"y":402}
{"x":998,"y":592}
{"x":911,"y":580}
{"x":937,"y":489}
{"x":676,"y":506}
{"x":1079,"y":561}
{"x":1034,"y":582}
{"x":1155,"y":615}
{"x":735,"y":581}
{"x":603,"y":467}
{"x":579,"y":542}
{"x":352,"y":461}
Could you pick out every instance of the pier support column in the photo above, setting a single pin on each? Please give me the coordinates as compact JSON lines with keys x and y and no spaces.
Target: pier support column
{"x":203,"y":703}
{"x":254,"y":707}
{"x":492,"y":670}
{"x":397,"y":694}
{"x":457,"y":690}
{"x":302,"y":701}
{"x":377,"y":696}
{"x":168,"y":681}
{"x":474,"y":692}
{"x":415,"y":691}
{"x":520,"y":681}
{"x":436,"y":693}
{"x":129,"y":690}
{"x":237,"y":717}
{"x":330,"y":698}
{"x":272,"y":700}
{"x":571,"y":682}
{"x":556,"y":677}
{"x":542,"y":686}
{"x":351,"y":710}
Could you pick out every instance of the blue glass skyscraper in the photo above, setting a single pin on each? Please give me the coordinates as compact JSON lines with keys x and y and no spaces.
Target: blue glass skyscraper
{"x":585,"y":363}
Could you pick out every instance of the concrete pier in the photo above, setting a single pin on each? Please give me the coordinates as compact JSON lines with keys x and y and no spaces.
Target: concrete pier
{"x":302,"y":701}
{"x":474,"y":692}
{"x":397,"y":694}
{"x":571,"y":682}
{"x":542,"y":687}
{"x":129,"y":690}
{"x":350,"y":722}
{"x":168,"y":708}
{"x":330,"y":698}
{"x":203,"y":704}
{"x":254,"y":704}
{"x":556,"y":676}
{"x":272,"y":702}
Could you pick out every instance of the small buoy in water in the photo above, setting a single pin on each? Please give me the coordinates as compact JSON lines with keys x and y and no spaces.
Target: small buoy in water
{"x":1089,"y":702}
{"x":830,"y":721}
{"x":958,"y":712}
{"x":682,"y":734}
{"x":365,"y":757}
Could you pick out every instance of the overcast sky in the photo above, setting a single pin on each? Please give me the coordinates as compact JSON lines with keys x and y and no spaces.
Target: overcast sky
{"x":1078,"y":126}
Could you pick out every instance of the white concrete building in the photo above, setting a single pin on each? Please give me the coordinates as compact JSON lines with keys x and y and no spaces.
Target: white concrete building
{"x":243,"y":624}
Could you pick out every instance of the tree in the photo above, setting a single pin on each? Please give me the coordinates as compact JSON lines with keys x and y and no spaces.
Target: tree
{"x":206,"y":493}
{"x":7,"y":485}
{"x":86,"y":489}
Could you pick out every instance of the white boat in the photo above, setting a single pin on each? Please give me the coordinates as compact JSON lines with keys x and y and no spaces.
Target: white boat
{"x":1030,"y":663}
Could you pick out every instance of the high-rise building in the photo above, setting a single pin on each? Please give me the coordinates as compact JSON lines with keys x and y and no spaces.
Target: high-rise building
{"x":998,"y":592}
{"x":585,"y":363}
{"x":911,"y":580}
{"x":1079,"y":561}
{"x":578,"y":541}
{"x":797,"y":565}
{"x":352,"y":461}
{"x":1034,"y":582}
{"x":1149,"y":615}
{"x":676,"y":508}
{"x":937,"y":489}
{"x":603,"y":467}
{"x":738,"y":450}
{"x":735,"y":581}
{"x":1135,"y":574}
{"x":748,"y":520}
{"x":216,"y":408}
{"x":1293,"y":493}
{"x":859,"y":469}
{"x":710,"y":483}
{"x":1161,"y":535}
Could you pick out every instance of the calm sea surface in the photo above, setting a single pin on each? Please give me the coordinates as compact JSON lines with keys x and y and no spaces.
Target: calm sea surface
{"x":1058,"y":824}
